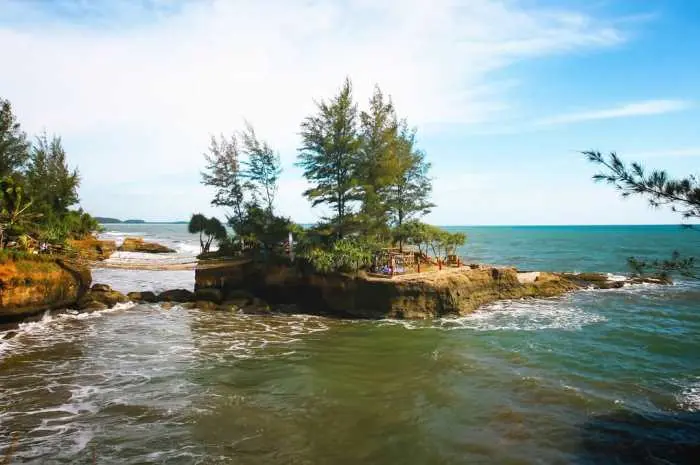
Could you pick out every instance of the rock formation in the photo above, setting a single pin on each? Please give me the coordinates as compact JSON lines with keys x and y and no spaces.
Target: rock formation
{"x":29,"y":287}
{"x":452,"y":291}
{"x":137,"y":244}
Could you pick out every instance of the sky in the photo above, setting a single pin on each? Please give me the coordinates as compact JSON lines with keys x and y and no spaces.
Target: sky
{"x":505,"y":94}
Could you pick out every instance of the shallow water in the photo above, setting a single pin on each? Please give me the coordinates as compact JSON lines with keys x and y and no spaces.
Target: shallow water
{"x":593,"y":377}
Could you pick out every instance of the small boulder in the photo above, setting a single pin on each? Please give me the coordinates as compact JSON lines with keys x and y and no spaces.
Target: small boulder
{"x":108,"y":298}
{"x":93,"y":306}
{"x":101,"y":288}
{"x":176,"y":295}
{"x":209,"y":295}
{"x":9,"y":335}
{"x":146,"y":296}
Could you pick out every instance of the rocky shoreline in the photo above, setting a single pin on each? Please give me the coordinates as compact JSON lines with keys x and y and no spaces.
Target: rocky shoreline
{"x":29,"y":289}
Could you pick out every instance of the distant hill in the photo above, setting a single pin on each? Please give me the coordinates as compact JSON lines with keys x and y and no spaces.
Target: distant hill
{"x":107,"y":220}
{"x":104,"y":220}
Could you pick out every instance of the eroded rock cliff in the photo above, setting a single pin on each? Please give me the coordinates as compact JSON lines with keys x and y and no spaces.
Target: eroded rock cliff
{"x":30,"y":287}
{"x":455,"y":291}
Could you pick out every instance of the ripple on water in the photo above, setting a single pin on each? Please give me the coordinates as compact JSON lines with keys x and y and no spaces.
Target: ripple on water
{"x":74,"y":377}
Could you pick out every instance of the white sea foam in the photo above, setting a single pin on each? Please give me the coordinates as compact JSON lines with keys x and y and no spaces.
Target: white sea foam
{"x":689,"y":398}
{"x":51,"y":325}
{"x":514,"y":315}
{"x":187,"y":249}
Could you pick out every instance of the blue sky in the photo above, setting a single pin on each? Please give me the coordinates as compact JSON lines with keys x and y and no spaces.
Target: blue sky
{"x":504,"y":94}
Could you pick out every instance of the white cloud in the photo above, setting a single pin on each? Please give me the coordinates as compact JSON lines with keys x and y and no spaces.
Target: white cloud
{"x":140,"y":97}
{"x":644,"y":108}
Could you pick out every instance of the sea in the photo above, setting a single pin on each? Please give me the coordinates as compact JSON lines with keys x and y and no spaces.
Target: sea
{"x":593,"y":377}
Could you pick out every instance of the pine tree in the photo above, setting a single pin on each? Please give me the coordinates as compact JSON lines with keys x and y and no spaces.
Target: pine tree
{"x":14,"y":148}
{"x":409,"y":191}
{"x":52,"y":185}
{"x":223,"y":173}
{"x":379,"y":135}
{"x":263,"y":166}
{"x":330,"y":155}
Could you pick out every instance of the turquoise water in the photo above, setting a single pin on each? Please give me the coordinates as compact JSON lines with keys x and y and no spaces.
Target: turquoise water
{"x":592,"y":377}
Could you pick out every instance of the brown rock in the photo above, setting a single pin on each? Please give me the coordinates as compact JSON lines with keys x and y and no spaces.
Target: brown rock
{"x":137,"y":244}
{"x":108,"y":298}
{"x":176,"y":295}
{"x":93,"y":306}
{"x":100,"y":288}
{"x":92,"y":248}
{"x":146,"y":296}
{"x":9,"y":335}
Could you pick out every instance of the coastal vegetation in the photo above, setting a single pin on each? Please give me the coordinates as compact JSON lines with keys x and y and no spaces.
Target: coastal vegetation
{"x":38,"y":190}
{"x":681,"y":195}
{"x":365,"y":170}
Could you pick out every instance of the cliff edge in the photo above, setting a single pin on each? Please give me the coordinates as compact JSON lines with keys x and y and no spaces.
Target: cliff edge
{"x":451,"y":291}
{"x":30,"y":286}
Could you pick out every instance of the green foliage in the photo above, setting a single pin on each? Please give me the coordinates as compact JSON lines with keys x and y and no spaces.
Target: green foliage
{"x":38,"y":188}
{"x":263,"y":167}
{"x":262,"y":229}
{"x":378,"y":131}
{"x":330,"y":156}
{"x":13,"y":142}
{"x":681,"y":195}
{"x":374,"y":163}
{"x":211,"y":228}
{"x":345,"y":255}
{"x":409,"y":190}
{"x":15,"y":255}
{"x":50,"y":182}
{"x":426,"y":236}
{"x":15,"y":215}
{"x":223,"y":173}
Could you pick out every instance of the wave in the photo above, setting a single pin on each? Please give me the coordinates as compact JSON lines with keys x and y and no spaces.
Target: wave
{"x":514,"y":315}
{"x":50,"y":324}
{"x":689,"y":398}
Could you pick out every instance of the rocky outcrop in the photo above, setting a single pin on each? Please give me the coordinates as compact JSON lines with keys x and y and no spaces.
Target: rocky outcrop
{"x":176,"y":295}
{"x":31,"y":286}
{"x":452,"y":291}
{"x":145,"y":296}
{"x":92,"y":248}
{"x":100,"y":297}
{"x":137,"y":244}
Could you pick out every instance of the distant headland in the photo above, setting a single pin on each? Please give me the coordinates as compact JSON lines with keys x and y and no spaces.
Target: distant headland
{"x":107,"y":220}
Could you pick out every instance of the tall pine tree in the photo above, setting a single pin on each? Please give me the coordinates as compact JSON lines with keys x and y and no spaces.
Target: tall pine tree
{"x":408,"y":193}
{"x":330,"y":157}
{"x":379,"y":136}
{"x":14,"y":148}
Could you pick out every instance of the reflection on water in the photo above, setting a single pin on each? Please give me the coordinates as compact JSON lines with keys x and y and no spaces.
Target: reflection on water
{"x":579,"y":379}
